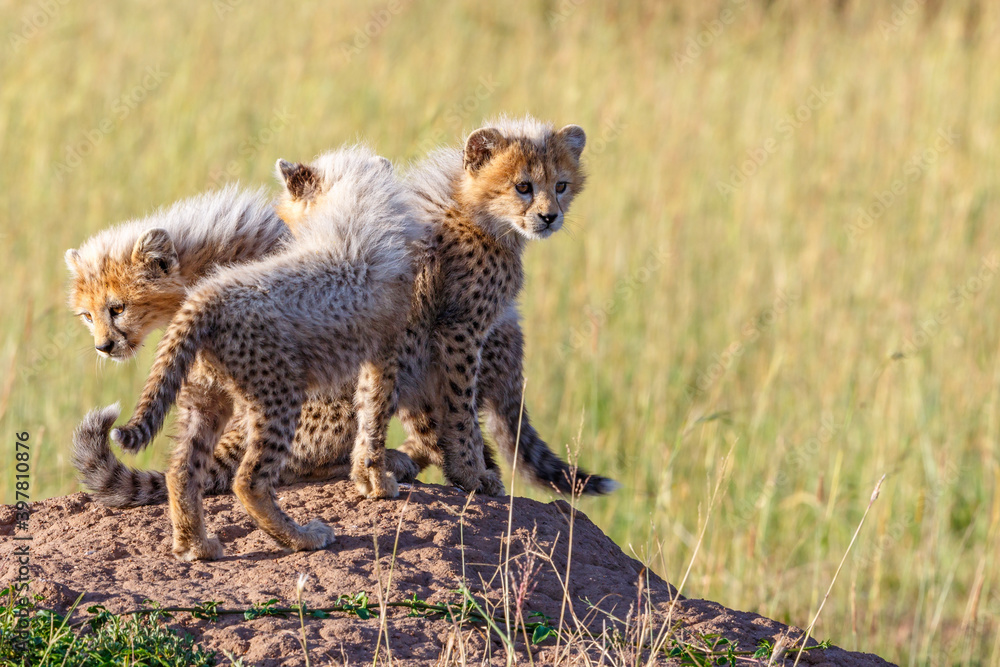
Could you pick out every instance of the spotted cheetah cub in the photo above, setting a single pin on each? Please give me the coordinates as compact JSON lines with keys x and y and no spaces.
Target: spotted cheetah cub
{"x":261,"y":335}
{"x":518,"y":178}
{"x":512,"y":183}
{"x":131,"y":278}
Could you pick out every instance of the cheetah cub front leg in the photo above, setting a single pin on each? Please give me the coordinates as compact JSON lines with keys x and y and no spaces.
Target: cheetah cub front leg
{"x":375,"y":403}
{"x":459,"y":349}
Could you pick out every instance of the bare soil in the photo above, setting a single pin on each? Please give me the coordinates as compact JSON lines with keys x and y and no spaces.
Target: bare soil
{"x":120,"y":558}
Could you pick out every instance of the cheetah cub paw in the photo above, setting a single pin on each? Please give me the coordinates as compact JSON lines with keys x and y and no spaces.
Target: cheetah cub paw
{"x":488,"y":484}
{"x":315,"y":535}
{"x":377,"y":484}
{"x":208,"y":550}
{"x":401,"y":466}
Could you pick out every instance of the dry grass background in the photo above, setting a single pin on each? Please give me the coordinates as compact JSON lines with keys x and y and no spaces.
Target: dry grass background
{"x":718,"y":281}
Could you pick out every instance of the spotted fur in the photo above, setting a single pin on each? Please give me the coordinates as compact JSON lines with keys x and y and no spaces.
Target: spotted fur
{"x":513,"y":182}
{"x":194,"y":237}
{"x":131,"y":278}
{"x":467,"y":291}
{"x":259,"y":336}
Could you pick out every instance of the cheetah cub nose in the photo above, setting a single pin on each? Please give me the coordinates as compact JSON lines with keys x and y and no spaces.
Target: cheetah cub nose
{"x":548,"y":218}
{"x":105,"y":347}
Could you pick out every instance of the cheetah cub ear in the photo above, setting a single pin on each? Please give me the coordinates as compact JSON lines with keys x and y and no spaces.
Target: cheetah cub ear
{"x":300,"y":181}
{"x":480,"y":148}
{"x":574,"y":138}
{"x":155,"y":251}
{"x":72,"y":258}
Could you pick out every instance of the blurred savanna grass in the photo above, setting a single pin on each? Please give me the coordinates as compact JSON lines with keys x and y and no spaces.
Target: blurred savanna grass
{"x":787,"y":242}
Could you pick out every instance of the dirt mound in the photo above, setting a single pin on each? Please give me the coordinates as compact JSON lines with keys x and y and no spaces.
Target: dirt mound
{"x":121,"y":558}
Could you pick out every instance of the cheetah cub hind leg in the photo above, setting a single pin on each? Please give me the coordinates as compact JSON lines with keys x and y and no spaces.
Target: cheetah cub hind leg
{"x":254,"y":483}
{"x":203,"y":413}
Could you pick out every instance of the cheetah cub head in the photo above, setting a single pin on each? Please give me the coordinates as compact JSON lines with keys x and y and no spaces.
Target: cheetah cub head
{"x":123,"y":296}
{"x":307,"y":187}
{"x":523,"y":175}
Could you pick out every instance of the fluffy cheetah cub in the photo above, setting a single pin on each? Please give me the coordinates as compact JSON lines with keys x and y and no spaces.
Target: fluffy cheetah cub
{"x":513,"y":182}
{"x":321,"y":313}
{"x":132,"y":278}
{"x":518,"y":178}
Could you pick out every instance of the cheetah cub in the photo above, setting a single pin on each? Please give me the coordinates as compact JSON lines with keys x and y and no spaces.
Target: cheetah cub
{"x":512,"y":183}
{"x":260,"y":336}
{"x":518,"y":178}
{"x":133,"y":277}
{"x":130,"y":279}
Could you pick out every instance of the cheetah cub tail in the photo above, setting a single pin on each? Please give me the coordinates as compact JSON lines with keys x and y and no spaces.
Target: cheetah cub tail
{"x":174,"y":357}
{"x":110,"y":481}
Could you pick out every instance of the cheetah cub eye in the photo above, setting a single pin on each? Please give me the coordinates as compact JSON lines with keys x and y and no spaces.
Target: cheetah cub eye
{"x":524,"y":187}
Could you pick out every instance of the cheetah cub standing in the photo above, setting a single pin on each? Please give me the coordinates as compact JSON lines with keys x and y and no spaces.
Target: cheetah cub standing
{"x":132,"y":278}
{"x":321,"y":313}
{"x":512,"y":183}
